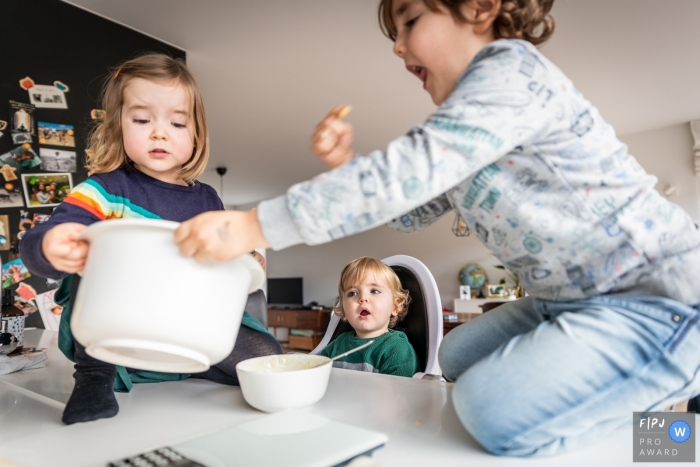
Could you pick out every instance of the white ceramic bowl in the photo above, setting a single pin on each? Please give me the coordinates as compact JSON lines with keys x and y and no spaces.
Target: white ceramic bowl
{"x":278,"y":382}
{"x":143,"y":305}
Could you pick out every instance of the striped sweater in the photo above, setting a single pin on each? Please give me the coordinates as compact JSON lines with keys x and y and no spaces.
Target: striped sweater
{"x":124,"y":193}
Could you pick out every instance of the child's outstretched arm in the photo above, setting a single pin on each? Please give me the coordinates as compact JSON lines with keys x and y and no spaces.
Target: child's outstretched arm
{"x":422,"y":216}
{"x":220,"y":235}
{"x":63,"y":250}
{"x":332,"y":138}
{"x":493,"y":110}
{"x":332,"y":143}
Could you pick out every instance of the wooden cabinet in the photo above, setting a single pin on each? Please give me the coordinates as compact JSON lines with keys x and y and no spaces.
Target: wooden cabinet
{"x":282,"y":318}
{"x":448,"y":325}
{"x":304,"y":319}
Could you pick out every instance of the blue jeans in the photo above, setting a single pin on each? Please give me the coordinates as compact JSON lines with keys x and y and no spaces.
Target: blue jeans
{"x":536,"y":377}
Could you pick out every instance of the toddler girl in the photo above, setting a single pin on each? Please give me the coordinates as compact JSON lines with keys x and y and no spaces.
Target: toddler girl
{"x":372,"y":300}
{"x":611,"y":325}
{"x":146,"y":155}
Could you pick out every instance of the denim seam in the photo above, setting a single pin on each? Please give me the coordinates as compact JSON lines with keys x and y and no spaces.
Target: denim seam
{"x":642,"y":307}
{"x":650,"y":312}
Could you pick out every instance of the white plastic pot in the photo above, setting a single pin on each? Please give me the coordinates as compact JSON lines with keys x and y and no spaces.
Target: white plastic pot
{"x":142,"y":305}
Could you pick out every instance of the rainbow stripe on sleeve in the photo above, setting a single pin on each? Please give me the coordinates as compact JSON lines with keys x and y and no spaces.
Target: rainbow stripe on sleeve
{"x":92,"y":197}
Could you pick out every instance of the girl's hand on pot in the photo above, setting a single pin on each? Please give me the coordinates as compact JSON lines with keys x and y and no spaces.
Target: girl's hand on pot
{"x":220,"y":235}
{"x":332,"y":138}
{"x":260,"y":258}
{"x":62,"y":248}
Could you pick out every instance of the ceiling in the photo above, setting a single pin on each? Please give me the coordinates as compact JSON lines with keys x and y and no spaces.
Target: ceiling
{"x":271,"y":69}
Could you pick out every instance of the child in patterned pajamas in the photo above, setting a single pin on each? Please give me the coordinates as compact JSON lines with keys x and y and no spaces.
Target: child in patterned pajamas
{"x":611,"y":267}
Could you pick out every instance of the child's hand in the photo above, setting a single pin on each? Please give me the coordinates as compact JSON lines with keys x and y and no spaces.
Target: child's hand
{"x":332,"y":138}
{"x":62,"y":248}
{"x":260,"y":258}
{"x":220,"y":235}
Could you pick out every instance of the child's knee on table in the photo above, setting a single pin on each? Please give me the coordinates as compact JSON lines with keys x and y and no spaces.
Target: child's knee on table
{"x":267,"y":345}
{"x":487,"y":411}
{"x":251,"y":343}
{"x":498,"y":418}
{"x":451,"y":362}
{"x":454,"y":355}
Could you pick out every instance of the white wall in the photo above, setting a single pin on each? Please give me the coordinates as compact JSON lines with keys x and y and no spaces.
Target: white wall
{"x":666,"y":152}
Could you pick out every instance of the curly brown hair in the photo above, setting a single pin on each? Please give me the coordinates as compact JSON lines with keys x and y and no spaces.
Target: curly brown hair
{"x":357,"y":269}
{"x":529,"y":20}
{"x":106,"y":146}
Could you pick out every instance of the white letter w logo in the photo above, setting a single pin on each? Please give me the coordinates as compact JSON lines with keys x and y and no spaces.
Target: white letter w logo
{"x":679,"y":431}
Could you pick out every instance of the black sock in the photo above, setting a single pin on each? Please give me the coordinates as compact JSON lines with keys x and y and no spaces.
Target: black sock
{"x":92,"y":397}
{"x":93,"y":394}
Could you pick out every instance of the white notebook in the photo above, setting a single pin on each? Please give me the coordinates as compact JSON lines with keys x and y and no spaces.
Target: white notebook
{"x":290,"y":438}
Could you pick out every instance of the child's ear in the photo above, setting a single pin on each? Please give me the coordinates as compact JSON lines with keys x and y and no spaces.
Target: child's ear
{"x":483,"y":14}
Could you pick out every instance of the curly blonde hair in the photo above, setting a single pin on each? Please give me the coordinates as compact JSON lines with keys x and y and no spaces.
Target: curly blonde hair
{"x":529,"y":20}
{"x":358,"y":269}
{"x":106,"y":146}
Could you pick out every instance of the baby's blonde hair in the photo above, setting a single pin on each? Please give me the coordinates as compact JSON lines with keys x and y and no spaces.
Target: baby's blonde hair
{"x":357,"y":269}
{"x":106,"y":143}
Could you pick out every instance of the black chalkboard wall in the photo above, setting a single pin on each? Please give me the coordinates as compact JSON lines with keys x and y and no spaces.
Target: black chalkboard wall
{"x":49,"y":40}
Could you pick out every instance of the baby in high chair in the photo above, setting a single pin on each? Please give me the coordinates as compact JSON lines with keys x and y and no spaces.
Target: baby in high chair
{"x":372,"y":300}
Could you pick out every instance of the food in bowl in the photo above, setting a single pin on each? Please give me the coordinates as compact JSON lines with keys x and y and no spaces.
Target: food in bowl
{"x":278,"y":382}
{"x":280,"y":363}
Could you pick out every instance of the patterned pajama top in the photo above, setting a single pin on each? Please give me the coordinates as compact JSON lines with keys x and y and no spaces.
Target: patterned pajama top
{"x":535,"y":172}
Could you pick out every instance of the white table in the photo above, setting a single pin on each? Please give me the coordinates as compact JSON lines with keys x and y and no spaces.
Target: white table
{"x":417,"y":415}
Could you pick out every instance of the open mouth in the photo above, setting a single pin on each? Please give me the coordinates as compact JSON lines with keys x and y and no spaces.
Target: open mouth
{"x":364,"y":313}
{"x":420,"y":72}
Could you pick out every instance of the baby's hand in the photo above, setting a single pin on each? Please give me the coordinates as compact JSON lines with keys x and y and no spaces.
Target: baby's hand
{"x":332,"y":138}
{"x":62,"y":248}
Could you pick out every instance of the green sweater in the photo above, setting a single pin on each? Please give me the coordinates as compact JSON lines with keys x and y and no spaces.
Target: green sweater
{"x":391,"y":354}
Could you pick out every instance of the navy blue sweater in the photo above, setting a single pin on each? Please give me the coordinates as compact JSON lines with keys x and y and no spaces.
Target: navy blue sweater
{"x":123,"y":193}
